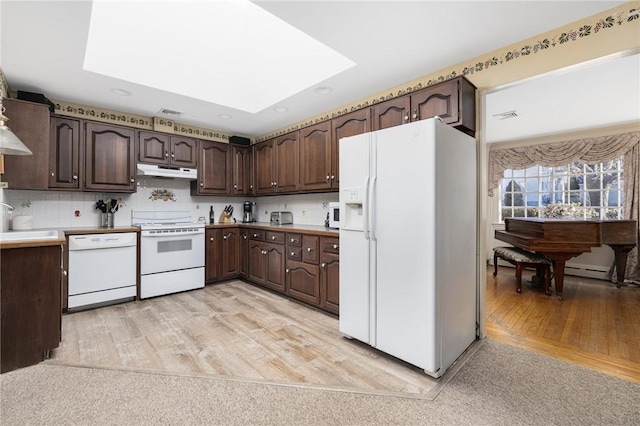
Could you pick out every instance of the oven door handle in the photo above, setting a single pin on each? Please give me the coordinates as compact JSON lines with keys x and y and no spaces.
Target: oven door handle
{"x":170,"y":234}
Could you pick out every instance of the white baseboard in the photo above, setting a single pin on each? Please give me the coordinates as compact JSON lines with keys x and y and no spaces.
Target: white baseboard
{"x":575,"y":269}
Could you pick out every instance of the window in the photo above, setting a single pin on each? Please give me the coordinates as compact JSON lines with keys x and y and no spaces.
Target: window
{"x":578,"y":190}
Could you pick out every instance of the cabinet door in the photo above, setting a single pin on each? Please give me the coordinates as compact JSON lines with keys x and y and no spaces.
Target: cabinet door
{"x":440,"y":100}
{"x":214,"y":172}
{"x":303,"y":282}
{"x":153,"y":147}
{"x":240,"y":167}
{"x":315,"y":157}
{"x":330,"y":282}
{"x":352,"y":124}
{"x":30,"y":123}
{"x":244,"y":252}
{"x":213,"y":248}
{"x":230,"y":253}
{"x":264,"y":160}
{"x":257,"y":262}
{"x":64,"y":157}
{"x":275,"y":258}
{"x":311,"y":249}
{"x":109,"y":158}
{"x":183,"y":152}
{"x":393,"y":112}
{"x":286,"y":164}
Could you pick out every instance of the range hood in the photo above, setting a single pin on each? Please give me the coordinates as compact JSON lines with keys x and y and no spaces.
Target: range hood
{"x":166,"y":171}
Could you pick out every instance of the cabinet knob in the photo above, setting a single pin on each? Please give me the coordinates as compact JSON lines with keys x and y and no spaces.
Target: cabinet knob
{"x":335,"y":246}
{"x":224,"y":237}
{"x":324,"y":265}
{"x":201,"y":184}
{"x":328,"y":176}
{"x":75,"y":177}
{"x":235,"y":186}
{"x":287,"y":270}
{"x":273,"y":237}
{"x":255,"y":235}
{"x":244,"y":237}
{"x":293,"y":253}
{"x":173,"y":155}
{"x":211,"y":239}
{"x":132,"y":179}
{"x":415,"y":114}
{"x":264,"y":252}
{"x":405,"y":118}
{"x":309,"y":249}
{"x":52,"y":174}
{"x":333,"y":177}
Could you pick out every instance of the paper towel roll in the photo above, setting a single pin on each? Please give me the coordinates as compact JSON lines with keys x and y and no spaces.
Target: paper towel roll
{"x":22,"y":222}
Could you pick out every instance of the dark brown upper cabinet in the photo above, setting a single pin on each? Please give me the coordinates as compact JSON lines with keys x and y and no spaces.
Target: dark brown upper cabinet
{"x":241,"y":170}
{"x":354,"y":123}
{"x":276,"y":165}
{"x":316,"y":166}
{"x":65,"y":154}
{"x":160,"y":148}
{"x":109,"y":158}
{"x":214,"y":169}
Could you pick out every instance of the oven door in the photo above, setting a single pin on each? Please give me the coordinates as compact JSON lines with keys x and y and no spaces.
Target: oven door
{"x":168,"y":251}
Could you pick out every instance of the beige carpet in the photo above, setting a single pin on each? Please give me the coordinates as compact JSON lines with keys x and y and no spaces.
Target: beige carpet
{"x":498,"y":385}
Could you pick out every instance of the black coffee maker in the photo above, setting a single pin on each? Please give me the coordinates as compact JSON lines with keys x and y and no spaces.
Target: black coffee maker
{"x":249,"y":212}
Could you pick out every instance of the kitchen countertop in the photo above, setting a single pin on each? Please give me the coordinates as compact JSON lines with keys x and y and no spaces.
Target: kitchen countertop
{"x":59,"y":240}
{"x":310,"y":229}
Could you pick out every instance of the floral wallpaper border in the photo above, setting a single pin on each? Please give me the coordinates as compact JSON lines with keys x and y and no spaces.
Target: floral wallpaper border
{"x":584,"y":30}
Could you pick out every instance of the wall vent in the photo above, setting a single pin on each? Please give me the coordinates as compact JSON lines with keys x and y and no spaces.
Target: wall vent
{"x":166,"y":111}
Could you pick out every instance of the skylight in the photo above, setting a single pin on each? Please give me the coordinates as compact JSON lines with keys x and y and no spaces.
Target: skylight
{"x":228,"y":52}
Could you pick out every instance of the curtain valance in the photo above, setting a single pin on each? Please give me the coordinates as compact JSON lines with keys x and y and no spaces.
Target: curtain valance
{"x":587,"y":150}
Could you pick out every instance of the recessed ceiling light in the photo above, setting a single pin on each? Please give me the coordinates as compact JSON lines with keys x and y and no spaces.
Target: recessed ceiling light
{"x":120,"y":92}
{"x":225,"y":116}
{"x":281,"y":109}
{"x":323,"y":90}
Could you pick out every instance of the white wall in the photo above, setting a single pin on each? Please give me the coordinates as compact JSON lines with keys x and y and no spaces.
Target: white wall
{"x":54,"y":209}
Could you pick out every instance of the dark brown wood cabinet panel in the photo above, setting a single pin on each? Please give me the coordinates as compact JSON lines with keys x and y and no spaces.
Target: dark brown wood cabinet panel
{"x":31,"y":305}
{"x":161,"y":148}
{"x":311,"y":249}
{"x":241,"y":170}
{"x":244,"y":253}
{"x":264,"y":163}
{"x":330,"y":275}
{"x":354,"y":123}
{"x":65,"y":154}
{"x":183,"y":152}
{"x":230,"y":253}
{"x":213,"y":251}
{"x":315,"y":157}
{"x":275,"y":272}
{"x":393,"y":112}
{"x":29,"y":121}
{"x":109,"y":158}
{"x":303,"y":282}
{"x":257,"y":262}
{"x":286,"y":163}
{"x":214,"y":170}
{"x":440,"y":100}
{"x":154,"y":147}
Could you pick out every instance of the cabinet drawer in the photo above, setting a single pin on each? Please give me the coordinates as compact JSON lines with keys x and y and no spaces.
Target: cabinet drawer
{"x":294,"y":253}
{"x":275,"y":237}
{"x":257,"y":235}
{"x":331,"y":245}
{"x":294,"y":240}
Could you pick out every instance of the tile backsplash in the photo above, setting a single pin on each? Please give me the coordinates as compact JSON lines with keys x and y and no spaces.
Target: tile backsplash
{"x":53,"y":209}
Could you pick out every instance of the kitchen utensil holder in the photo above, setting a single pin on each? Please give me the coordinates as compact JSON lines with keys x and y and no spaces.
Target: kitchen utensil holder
{"x":106,"y":220}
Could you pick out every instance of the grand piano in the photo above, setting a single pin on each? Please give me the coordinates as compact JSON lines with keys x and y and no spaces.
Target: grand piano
{"x":561,"y":239}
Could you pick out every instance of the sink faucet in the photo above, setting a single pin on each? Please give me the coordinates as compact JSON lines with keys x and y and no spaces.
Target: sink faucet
{"x":9,"y":208}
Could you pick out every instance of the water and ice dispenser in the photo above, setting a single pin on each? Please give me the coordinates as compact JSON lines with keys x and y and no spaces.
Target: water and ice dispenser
{"x":352,"y":203}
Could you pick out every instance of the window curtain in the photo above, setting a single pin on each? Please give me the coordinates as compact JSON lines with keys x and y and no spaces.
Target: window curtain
{"x":588,"y":150}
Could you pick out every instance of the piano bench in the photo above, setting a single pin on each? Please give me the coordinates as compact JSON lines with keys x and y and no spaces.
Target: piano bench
{"x":524,"y":259}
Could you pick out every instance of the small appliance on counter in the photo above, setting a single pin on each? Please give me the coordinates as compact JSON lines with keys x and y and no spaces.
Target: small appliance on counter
{"x":334,"y":215}
{"x":249,"y":212}
{"x":281,"y":218}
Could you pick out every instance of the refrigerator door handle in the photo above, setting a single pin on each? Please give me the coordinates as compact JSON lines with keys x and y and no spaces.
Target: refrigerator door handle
{"x":365,"y":213}
{"x":372,"y":209}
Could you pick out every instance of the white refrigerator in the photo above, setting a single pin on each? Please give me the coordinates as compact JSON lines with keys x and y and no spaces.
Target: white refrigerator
{"x":408,"y":242}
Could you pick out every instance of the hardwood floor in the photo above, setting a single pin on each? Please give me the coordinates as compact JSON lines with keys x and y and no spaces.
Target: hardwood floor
{"x":597,"y":325}
{"x":234,"y":330}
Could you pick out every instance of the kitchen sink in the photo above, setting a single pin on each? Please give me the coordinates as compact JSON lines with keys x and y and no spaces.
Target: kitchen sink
{"x":11,"y":236}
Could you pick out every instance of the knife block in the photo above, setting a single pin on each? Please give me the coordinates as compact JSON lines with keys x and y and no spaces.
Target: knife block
{"x":225,"y":218}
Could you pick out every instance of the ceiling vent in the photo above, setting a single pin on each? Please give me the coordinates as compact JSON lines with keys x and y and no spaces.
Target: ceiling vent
{"x":165,"y":111}
{"x":505,"y":115}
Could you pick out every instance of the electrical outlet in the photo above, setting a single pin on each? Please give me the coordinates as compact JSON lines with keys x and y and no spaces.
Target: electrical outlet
{"x":4,"y":185}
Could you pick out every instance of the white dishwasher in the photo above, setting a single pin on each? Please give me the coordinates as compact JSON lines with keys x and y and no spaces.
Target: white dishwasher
{"x":102,"y":268}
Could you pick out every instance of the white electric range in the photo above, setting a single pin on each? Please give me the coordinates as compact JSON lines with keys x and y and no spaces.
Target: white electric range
{"x":171,"y":252}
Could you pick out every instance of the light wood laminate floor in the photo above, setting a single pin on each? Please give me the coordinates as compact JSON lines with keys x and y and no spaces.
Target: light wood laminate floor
{"x":234,"y":330}
{"x":597,"y":325}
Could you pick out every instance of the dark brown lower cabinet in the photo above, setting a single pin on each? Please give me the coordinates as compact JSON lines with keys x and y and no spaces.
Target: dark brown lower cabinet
{"x":303,"y":282}
{"x":330,"y":275}
{"x":266,"y":265}
{"x":31,"y":309}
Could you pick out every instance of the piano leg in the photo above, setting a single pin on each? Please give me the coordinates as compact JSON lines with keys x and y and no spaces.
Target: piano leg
{"x":621,"y":251}
{"x":559,"y":260}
